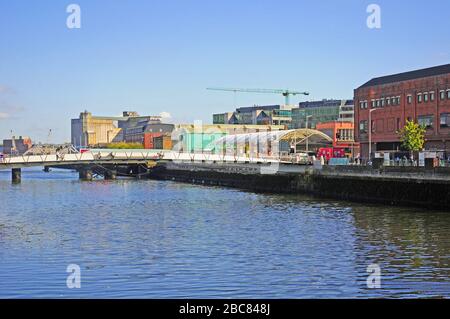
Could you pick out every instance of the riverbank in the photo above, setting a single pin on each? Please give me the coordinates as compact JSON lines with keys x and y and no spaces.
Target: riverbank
{"x":406,"y":186}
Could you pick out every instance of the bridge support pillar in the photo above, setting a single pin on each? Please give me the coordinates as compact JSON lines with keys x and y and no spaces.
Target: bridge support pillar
{"x":85,"y":174}
{"x":16,"y":175}
{"x":140,"y":172}
{"x":110,"y":174}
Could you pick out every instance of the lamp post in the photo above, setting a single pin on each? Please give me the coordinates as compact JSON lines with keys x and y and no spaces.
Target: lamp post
{"x":370,"y":133}
{"x":13,"y":144}
{"x":307,"y":135}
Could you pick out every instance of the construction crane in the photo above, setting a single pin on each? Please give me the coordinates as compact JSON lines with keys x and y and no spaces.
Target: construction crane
{"x":285,"y":93}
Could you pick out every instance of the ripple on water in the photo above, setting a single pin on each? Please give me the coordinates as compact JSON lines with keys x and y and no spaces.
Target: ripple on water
{"x":163,"y":239}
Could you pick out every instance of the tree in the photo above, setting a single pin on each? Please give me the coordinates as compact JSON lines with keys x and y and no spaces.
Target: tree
{"x":412,"y":136}
{"x":124,"y":145}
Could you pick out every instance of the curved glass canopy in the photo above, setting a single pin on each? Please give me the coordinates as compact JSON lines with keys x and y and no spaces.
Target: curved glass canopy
{"x":271,"y":143}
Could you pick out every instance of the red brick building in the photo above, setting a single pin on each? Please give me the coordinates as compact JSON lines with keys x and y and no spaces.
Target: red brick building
{"x":421,"y":95}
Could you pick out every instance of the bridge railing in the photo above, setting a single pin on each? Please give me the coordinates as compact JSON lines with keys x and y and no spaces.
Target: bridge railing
{"x":31,"y":159}
{"x":207,"y":156}
{"x":131,"y":155}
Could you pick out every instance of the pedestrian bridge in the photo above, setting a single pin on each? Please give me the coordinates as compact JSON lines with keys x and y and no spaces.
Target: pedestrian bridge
{"x":122,"y":157}
{"x":106,"y":161}
{"x":91,"y":157}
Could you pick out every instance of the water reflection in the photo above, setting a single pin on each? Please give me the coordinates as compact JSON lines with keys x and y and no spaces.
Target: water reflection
{"x":162,"y":239}
{"x":412,"y":246}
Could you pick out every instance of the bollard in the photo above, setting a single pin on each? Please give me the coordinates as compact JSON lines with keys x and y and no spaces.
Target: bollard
{"x":16,"y":174}
{"x":141,"y":172}
{"x":85,"y":174}
{"x":110,"y":175}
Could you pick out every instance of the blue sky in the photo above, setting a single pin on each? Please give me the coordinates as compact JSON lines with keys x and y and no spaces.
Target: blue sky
{"x":159,"y":56}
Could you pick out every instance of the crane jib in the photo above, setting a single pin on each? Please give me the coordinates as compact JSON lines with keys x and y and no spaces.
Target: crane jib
{"x":285,"y":93}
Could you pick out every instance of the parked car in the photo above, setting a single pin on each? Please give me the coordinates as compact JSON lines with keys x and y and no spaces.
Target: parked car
{"x":305,"y":158}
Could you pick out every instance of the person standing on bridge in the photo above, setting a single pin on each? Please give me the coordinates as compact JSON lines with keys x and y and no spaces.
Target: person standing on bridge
{"x":57,"y":153}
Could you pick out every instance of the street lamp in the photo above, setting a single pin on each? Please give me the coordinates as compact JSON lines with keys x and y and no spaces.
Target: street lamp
{"x":307,"y":135}
{"x":13,"y":144}
{"x":370,"y":133}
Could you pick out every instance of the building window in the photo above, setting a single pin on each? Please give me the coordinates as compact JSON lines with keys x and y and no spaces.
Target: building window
{"x":363,"y":126}
{"x":395,"y":100}
{"x":343,"y":135}
{"x":425,"y":120}
{"x":363,"y":104}
{"x":373,"y":103}
{"x":419,"y":98}
{"x":448,"y":94}
{"x":398,"y":124}
{"x":442,"y":95}
{"x":409,"y":98}
{"x":425,"y":97}
{"x":388,"y":101}
{"x":445,"y":120}
{"x":432,"y":96}
{"x":382,"y":102}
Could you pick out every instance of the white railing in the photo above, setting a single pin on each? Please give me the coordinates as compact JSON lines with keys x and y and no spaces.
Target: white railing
{"x":33,"y":159}
{"x":131,"y":155}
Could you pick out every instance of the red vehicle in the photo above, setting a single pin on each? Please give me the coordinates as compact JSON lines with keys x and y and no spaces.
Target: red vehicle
{"x":331,"y":152}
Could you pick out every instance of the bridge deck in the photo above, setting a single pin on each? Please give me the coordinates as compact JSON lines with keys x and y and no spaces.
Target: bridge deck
{"x":120,"y":157}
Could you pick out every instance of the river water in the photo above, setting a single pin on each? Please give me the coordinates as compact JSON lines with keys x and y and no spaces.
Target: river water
{"x":153,"y":239}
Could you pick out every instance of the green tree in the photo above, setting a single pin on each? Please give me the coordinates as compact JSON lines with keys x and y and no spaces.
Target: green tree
{"x":412,"y":136}
{"x":124,"y":145}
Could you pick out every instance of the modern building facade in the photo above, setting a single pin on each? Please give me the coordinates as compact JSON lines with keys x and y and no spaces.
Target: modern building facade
{"x":323,"y":111}
{"x":256,"y":115}
{"x":225,"y":118}
{"x":143,"y":132}
{"x":162,"y":142}
{"x":342,"y":134}
{"x":384,"y":104}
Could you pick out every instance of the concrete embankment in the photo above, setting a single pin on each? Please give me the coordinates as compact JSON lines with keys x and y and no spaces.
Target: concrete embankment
{"x":419,"y":187}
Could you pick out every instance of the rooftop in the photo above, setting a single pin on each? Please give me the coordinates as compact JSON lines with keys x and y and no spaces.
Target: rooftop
{"x":258,"y":107}
{"x":411,"y":75}
{"x":324,"y":103}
